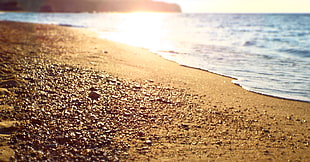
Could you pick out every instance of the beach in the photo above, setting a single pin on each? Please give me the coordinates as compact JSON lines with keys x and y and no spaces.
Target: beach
{"x":78,"y":97}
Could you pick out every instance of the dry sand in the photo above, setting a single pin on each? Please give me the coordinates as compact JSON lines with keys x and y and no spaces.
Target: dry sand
{"x":223,"y":121}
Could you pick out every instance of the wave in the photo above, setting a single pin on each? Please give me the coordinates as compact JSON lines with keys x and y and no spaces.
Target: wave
{"x":170,"y":51}
{"x":298,"y":52}
{"x":279,"y":40}
{"x":276,"y":93}
{"x":71,"y":25}
{"x":303,"y":34}
{"x":249,"y":43}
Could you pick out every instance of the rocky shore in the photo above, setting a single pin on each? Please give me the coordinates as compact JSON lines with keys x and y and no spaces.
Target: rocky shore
{"x":54,"y":111}
{"x":69,"y":113}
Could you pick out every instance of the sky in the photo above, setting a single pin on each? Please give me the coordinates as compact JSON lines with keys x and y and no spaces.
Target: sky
{"x":244,"y":6}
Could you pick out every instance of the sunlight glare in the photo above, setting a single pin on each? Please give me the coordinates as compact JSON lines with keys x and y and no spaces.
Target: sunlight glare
{"x":141,"y":29}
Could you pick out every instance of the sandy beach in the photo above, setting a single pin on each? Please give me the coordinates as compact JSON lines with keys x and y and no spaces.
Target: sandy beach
{"x":68,"y":95}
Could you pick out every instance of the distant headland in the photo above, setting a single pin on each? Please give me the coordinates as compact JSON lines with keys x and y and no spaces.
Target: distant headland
{"x":88,"y":6}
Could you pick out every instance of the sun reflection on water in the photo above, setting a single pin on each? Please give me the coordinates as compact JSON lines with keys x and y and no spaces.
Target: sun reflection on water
{"x":142,"y":30}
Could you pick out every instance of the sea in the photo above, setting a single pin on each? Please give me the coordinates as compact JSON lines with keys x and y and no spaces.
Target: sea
{"x":265,"y":53}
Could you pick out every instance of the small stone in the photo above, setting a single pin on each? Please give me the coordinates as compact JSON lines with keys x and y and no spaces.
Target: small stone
{"x":7,"y":127}
{"x":6,"y":108}
{"x":137,"y":86}
{"x":93,"y":89}
{"x":4,"y":91}
{"x":266,"y":152}
{"x":6,"y":153}
{"x":61,"y":139}
{"x":289,"y":117}
{"x":94,"y":95}
{"x":114,"y":80}
{"x":10,"y":83}
{"x":218,"y":143}
{"x":141,"y":134}
{"x":185,"y":126}
{"x":36,"y":121}
{"x":149,"y":142}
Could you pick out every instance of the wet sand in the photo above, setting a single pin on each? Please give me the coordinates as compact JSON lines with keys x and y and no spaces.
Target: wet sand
{"x":126,"y":103}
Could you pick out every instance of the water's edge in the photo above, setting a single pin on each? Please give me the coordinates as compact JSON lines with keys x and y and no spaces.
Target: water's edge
{"x":234,"y":81}
{"x":159,"y":53}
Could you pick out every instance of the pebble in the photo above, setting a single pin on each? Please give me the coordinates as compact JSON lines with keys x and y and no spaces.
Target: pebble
{"x":63,"y":120}
{"x":10,"y":83}
{"x":8,"y":127}
{"x":94,"y":95}
{"x":149,"y":142}
{"x":266,"y":130}
{"x":4,"y":91}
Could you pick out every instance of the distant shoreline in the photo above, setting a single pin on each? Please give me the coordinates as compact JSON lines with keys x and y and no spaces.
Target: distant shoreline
{"x":72,"y":6}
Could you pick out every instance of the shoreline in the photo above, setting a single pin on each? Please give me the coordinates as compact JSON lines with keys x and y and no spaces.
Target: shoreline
{"x":233,"y":78}
{"x":201,"y":69}
{"x":263,"y":90}
{"x":293,"y":98}
{"x":131,"y":64}
{"x":191,"y":114}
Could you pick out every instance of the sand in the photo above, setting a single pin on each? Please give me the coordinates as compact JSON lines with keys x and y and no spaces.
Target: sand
{"x":224,"y":121}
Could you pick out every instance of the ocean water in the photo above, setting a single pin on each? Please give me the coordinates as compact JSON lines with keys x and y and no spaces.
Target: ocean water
{"x":266,"y":53}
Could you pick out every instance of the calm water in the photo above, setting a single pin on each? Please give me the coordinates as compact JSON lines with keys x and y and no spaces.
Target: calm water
{"x":266,"y":53}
